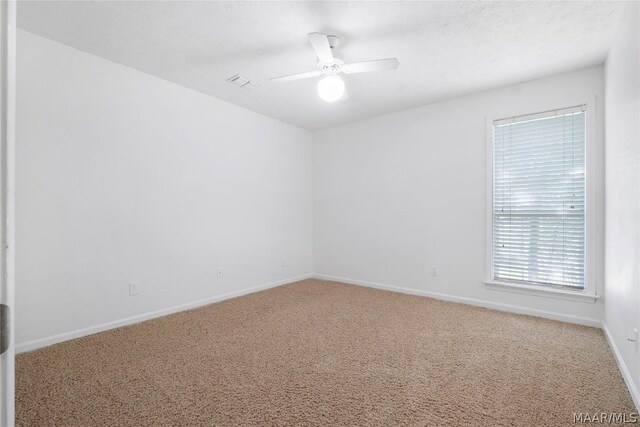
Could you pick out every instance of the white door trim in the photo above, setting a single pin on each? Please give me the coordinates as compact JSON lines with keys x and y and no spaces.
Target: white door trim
{"x":7,"y":164}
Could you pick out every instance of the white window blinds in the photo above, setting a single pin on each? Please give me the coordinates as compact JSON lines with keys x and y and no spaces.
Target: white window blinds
{"x":539,"y":199}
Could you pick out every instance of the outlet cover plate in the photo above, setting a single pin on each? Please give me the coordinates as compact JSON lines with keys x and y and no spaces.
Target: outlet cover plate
{"x":133,"y":289}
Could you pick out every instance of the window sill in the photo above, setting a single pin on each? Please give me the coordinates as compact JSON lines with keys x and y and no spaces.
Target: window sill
{"x":542,"y":291}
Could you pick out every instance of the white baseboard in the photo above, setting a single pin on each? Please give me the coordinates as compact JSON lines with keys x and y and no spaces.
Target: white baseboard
{"x":470,"y":301}
{"x":54,"y":339}
{"x":633,"y":389}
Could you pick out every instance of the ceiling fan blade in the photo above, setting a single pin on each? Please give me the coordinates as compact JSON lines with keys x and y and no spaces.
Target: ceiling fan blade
{"x":368,"y":66}
{"x":297,"y":76}
{"x":320,"y":44}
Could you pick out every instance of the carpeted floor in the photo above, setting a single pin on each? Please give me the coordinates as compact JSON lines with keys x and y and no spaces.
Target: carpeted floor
{"x":324,"y":353}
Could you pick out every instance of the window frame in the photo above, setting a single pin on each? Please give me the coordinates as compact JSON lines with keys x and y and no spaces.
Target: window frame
{"x":593,"y":237}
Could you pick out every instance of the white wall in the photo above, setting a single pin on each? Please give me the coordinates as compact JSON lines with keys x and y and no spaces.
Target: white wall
{"x":399,"y":193}
{"x":122,"y":177}
{"x":622,"y":274}
{"x":125,"y":177}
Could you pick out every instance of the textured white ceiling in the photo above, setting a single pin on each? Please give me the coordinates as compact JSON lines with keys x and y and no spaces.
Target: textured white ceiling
{"x":445,"y":48}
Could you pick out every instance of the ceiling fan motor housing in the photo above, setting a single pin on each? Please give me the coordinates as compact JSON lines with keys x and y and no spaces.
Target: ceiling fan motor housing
{"x":333,"y":67}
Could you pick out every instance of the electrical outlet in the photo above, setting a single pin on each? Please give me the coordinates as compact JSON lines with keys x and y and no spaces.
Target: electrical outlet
{"x":633,"y":335}
{"x":220,"y":273}
{"x":434,"y":270}
{"x":284,"y":261}
{"x":133,"y":289}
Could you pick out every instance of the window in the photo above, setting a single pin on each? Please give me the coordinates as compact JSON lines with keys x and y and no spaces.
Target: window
{"x":539,"y":200}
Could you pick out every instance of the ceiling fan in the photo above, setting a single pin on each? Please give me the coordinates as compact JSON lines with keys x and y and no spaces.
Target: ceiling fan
{"x":330,"y":65}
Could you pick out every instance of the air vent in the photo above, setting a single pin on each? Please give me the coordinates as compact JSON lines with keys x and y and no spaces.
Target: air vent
{"x":240,"y":81}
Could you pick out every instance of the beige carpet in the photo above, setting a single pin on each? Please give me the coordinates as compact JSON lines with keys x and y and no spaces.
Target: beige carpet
{"x":324,"y":353}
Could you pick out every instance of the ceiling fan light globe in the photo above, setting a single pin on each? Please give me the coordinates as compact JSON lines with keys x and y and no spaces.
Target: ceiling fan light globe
{"x":331,"y":88}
